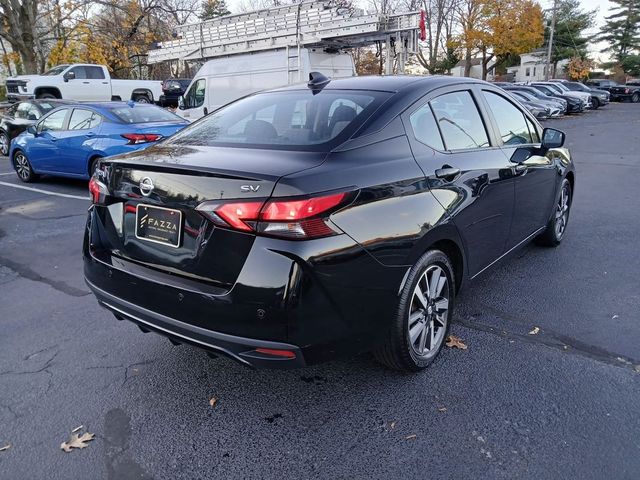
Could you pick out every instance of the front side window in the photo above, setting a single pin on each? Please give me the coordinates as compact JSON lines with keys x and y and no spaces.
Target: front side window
{"x":459,"y":121}
{"x":56,"y":70}
{"x":283,"y":119}
{"x":80,"y":72}
{"x":511,"y":122}
{"x":83,"y":119}
{"x":53,"y":122}
{"x":425,"y":128}
{"x":195,"y":95}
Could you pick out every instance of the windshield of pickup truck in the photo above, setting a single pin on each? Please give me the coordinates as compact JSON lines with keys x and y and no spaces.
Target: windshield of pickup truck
{"x":56,"y":70}
{"x":144,"y":114}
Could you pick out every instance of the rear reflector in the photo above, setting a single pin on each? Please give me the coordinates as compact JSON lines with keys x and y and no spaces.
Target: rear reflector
{"x":276,"y":353}
{"x":137,"y":138}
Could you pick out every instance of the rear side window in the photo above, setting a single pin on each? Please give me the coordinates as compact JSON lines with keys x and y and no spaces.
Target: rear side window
{"x":291,"y":119}
{"x":144,"y":114}
{"x":83,"y":119}
{"x":95,"y":73}
{"x":459,"y":120}
{"x":511,"y":122}
{"x":53,"y":122}
{"x":425,"y":128}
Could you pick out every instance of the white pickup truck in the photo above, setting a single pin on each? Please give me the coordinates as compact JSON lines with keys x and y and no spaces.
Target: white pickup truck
{"x":82,"y":82}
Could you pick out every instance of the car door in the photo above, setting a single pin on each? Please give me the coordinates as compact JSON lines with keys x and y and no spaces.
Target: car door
{"x":467,"y":173}
{"x":78,"y":86}
{"x":43,"y":149}
{"x":536,"y":176}
{"x":194,"y":101}
{"x":77,"y":141}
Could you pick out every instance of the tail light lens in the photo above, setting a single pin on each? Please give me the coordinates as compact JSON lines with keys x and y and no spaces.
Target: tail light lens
{"x":137,"y":138}
{"x":98,"y":191}
{"x":297,"y":218}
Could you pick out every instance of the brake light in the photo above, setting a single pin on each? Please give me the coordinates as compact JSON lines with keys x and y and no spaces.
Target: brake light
{"x":98,"y":191}
{"x":276,"y":353}
{"x":138,"y":138}
{"x":299,"y":219}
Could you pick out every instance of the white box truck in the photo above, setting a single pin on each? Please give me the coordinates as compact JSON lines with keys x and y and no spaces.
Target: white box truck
{"x":225,"y":79}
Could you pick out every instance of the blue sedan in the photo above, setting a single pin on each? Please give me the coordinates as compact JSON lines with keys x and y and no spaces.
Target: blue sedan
{"x":69,"y":140}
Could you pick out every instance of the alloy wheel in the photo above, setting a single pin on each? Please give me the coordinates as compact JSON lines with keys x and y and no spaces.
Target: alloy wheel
{"x":4,"y":144}
{"x":562,"y":211}
{"x":23,"y":169}
{"x":428,"y":313}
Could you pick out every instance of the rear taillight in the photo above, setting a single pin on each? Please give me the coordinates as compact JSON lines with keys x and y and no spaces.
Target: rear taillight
{"x":98,"y":191}
{"x":137,"y":138}
{"x":290,"y":218}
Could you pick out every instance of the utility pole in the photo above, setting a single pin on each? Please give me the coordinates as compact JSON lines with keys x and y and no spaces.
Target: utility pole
{"x":547,"y":72}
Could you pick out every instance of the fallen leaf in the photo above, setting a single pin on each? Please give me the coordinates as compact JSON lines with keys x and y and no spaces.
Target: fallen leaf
{"x":392,"y":425}
{"x":534,"y":331}
{"x":76,"y":441}
{"x":6,"y":447}
{"x":614,"y":317}
{"x":442,"y":409}
{"x":455,"y":342}
{"x":77,"y":429}
{"x":411,"y":437}
{"x":636,"y":369}
{"x":213,"y":401}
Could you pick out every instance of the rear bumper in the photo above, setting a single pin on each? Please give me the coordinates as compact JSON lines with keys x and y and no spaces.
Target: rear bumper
{"x":240,"y":349}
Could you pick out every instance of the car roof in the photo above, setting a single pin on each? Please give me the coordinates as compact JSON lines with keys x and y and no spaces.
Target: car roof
{"x":108,"y":105}
{"x":388,"y":83}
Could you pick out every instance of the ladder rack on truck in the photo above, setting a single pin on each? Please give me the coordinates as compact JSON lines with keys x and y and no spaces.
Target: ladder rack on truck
{"x":322,"y":24}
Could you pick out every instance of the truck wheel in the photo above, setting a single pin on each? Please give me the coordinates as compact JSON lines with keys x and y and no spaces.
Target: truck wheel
{"x":141,"y":99}
{"x":635,"y":98}
{"x":46,"y":96}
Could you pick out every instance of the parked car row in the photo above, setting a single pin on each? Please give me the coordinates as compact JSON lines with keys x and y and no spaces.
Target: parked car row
{"x":629,"y":92}
{"x":555,"y":98}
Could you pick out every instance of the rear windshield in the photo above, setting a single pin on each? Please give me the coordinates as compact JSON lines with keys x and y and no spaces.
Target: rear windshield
{"x":294,"y":119}
{"x":144,"y":114}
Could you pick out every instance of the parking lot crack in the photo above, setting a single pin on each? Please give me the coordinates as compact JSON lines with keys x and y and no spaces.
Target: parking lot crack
{"x":556,"y":341}
{"x":25,"y":272}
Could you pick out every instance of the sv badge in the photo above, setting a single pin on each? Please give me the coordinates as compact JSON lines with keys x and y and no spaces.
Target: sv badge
{"x":249,"y":188}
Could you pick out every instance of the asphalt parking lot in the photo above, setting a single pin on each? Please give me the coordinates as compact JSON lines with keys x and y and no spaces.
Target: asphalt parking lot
{"x":559,"y":404}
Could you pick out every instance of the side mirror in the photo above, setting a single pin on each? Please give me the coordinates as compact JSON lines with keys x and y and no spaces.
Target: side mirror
{"x":552,"y":138}
{"x":181,"y":103}
{"x":69,"y":76}
{"x":32,"y":130}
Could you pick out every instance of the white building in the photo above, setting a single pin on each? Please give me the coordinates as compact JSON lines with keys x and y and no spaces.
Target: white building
{"x":533,"y":67}
{"x":476,"y":69}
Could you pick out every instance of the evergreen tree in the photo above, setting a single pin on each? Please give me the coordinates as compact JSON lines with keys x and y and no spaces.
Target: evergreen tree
{"x":622,"y":30}
{"x":569,"y":38}
{"x":213,"y":9}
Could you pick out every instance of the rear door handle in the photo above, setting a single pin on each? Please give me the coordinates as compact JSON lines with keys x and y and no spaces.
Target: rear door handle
{"x":89,"y":134}
{"x":447,"y":173}
{"x":86,"y":82}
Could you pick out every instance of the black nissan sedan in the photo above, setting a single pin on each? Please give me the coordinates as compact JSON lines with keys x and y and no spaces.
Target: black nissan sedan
{"x":302,"y":224}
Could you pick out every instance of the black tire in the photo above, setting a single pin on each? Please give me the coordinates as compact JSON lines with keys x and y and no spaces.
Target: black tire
{"x":93,"y":163}
{"x":23,"y":168}
{"x":141,"y":99}
{"x":554,"y":233}
{"x":595,"y":103}
{"x":399,"y":352}
{"x":46,"y":96}
{"x":635,"y":98}
{"x":5,"y":143}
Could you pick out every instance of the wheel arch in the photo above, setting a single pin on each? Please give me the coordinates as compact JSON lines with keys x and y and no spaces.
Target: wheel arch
{"x":446,"y":239}
{"x":570,"y":176}
{"x":52,"y":90}
{"x":142,"y":91}
{"x":94,"y":156}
